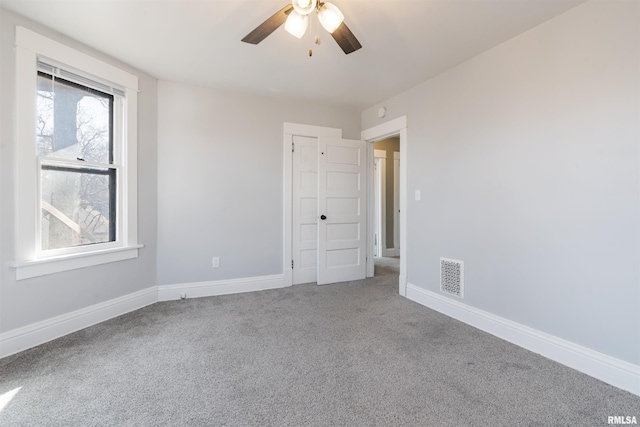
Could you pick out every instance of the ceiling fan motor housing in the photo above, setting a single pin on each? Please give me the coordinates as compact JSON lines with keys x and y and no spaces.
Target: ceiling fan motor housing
{"x":304,"y":7}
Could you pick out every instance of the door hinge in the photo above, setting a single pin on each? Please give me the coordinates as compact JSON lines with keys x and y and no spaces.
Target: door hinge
{"x":293,"y":147}
{"x":292,"y":264}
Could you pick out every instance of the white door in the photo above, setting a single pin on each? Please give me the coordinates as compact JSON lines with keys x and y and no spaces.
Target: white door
{"x":305,"y":210}
{"x":396,"y":202}
{"x":377,"y":211}
{"x":380,"y":203}
{"x":342,"y":210}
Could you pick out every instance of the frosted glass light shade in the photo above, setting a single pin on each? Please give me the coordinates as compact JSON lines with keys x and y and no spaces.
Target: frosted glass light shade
{"x":296,"y":24}
{"x":330,"y":17}
{"x":304,"y":7}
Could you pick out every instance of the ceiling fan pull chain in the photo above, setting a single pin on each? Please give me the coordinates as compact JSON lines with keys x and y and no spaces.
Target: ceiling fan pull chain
{"x":313,"y":30}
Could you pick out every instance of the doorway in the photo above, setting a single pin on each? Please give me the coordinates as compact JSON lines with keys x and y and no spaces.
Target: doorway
{"x":386,"y":239}
{"x":395,"y":127}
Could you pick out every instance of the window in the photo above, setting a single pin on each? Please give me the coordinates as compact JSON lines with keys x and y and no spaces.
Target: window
{"x":74,"y":145}
{"x":76,"y":154}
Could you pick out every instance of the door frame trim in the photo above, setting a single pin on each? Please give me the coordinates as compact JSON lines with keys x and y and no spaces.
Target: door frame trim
{"x":380,"y":205}
{"x":396,"y":204}
{"x":290,"y":130}
{"x":393,"y":127}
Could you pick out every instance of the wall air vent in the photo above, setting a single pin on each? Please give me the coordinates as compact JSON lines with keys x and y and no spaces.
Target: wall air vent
{"x":452,"y":277}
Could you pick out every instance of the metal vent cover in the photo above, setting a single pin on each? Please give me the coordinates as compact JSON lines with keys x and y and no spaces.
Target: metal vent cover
{"x":452,"y":277}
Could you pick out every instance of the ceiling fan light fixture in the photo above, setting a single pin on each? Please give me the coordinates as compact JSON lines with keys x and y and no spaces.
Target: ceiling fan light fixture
{"x":330,"y":16}
{"x":304,"y":7}
{"x":296,"y":24}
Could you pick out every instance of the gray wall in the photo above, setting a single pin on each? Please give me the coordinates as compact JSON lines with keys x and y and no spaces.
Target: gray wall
{"x":220,"y":177}
{"x":527,"y":157}
{"x":389,"y":145}
{"x":32,"y":300}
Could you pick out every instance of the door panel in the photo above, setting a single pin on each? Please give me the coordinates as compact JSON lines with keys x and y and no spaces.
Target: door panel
{"x":342,"y":199}
{"x":305,"y":210}
{"x":343,"y":181}
{"x":339,"y":232}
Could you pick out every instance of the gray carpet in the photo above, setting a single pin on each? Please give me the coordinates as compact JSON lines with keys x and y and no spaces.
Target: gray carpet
{"x":352,"y":354}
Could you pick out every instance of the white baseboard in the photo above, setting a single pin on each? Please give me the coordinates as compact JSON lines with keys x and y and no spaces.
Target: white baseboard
{"x":613,"y":371}
{"x":220,"y":287}
{"x":20,"y":339}
{"x":402,"y":285}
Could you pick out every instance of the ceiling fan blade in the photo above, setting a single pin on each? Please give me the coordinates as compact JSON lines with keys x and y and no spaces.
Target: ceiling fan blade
{"x":345,"y":39}
{"x":269,"y":26}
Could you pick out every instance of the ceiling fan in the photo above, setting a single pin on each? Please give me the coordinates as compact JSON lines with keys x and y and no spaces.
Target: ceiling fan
{"x":295,"y":17}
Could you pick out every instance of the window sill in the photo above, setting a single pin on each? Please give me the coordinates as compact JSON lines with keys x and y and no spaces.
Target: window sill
{"x":42,"y":267}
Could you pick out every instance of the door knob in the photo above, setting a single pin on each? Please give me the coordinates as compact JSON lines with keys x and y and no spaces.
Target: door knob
{"x":323,"y":217}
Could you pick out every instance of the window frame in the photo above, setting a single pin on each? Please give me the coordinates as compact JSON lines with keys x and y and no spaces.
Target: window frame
{"x":30,"y":260}
{"x":69,"y":165}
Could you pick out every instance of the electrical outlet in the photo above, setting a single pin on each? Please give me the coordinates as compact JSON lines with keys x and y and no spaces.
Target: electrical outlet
{"x":215,"y":262}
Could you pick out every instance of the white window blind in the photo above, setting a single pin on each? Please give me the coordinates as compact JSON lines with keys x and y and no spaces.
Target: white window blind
{"x":62,"y":73}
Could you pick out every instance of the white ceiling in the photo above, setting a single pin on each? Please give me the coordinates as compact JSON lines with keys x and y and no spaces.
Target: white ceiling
{"x":198,"y":41}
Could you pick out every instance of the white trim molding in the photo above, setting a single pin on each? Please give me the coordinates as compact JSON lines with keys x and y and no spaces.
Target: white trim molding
{"x":40,"y":44}
{"x":44,"y":266}
{"x":220,"y":287}
{"x":616,"y":372}
{"x":29,"y":336}
{"x":384,"y":130}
